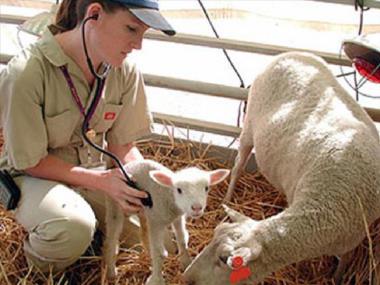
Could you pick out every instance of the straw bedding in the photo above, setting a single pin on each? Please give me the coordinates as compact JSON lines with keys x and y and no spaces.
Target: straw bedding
{"x":254,"y":197}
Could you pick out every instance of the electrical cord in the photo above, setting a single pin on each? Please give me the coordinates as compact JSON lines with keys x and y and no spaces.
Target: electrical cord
{"x":360,"y":4}
{"x":242,"y":85}
{"x":224,"y":51}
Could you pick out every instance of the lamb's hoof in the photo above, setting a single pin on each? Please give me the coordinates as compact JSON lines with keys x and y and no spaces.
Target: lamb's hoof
{"x":185,"y":260}
{"x":155,"y":280}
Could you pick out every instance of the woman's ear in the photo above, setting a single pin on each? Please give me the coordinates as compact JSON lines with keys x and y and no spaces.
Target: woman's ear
{"x":94,"y":10}
{"x":162,"y":178}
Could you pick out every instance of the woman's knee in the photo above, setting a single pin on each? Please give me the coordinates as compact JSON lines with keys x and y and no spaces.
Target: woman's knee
{"x":59,"y":242}
{"x":62,"y":238}
{"x":60,"y":223}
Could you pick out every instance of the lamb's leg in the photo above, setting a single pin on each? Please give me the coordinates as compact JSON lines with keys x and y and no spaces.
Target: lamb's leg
{"x":114,"y":226}
{"x":170,"y":245}
{"x":241,"y":161}
{"x":182,"y":236}
{"x":343,"y":263}
{"x":157,"y":254}
{"x":144,"y":236}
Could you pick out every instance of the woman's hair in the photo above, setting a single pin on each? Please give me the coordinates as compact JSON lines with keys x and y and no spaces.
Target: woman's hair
{"x":72,"y":12}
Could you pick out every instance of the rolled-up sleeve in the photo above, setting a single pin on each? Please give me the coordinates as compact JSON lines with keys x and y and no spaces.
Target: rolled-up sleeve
{"x":134,"y":120}
{"x":21,"y":88}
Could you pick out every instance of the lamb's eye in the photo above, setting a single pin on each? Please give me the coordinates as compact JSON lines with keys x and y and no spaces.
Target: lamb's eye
{"x":206,"y":188}
{"x":179,"y":190}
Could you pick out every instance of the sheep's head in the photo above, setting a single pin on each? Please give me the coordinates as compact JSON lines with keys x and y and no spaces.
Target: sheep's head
{"x":213,"y":266}
{"x":190,"y":187}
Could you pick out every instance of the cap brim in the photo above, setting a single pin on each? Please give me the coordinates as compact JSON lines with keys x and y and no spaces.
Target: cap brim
{"x":154,"y":19}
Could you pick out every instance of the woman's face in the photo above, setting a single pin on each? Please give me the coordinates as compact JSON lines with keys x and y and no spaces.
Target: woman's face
{"x":115,"y":35}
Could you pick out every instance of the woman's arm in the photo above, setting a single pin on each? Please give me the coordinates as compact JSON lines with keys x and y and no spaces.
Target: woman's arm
{"x":111,"y":182}
{"x":54,"y":168}
{"x":125,"y":153}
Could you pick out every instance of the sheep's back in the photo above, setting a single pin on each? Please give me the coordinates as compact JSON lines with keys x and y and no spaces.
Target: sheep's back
{"x":302,"y":116}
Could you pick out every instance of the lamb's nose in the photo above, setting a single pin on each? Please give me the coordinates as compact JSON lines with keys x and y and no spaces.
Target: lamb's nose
{"x":196,"y":207}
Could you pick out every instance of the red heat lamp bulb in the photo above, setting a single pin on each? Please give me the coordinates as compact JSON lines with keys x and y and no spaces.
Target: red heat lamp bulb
{"x":366,"y":69}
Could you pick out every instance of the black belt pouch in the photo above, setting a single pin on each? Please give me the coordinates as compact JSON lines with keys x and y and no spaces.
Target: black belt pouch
{"x":9,"y":191}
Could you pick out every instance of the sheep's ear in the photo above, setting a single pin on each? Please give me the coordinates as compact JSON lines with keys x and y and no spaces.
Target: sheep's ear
{"x":246,"y":253}
{"x":235,"y":216}
{"x":217,"y":176}
{"x":162,"y":178}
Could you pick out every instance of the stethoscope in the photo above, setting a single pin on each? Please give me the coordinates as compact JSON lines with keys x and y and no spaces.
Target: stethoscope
{"x":100,"y":80}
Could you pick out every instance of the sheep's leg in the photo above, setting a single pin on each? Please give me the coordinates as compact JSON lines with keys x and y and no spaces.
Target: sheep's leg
{"x":343,"y":263}
{"x":157,"y":254}
{"x":241,"y":161}
{"x":376,"y":274}
{"x":114,"y":227}
{"x":182,"y":236}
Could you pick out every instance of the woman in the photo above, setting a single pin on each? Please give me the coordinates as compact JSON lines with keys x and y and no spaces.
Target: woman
{"x":46,"y":92}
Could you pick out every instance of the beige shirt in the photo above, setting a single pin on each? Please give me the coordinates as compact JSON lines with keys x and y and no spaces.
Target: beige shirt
{"x":39,"y":115}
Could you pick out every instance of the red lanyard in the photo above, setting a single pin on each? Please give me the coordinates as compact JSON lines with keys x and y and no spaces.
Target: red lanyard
{"x":75,"y":95}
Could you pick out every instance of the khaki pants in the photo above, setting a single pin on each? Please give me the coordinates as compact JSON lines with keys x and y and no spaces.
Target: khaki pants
{"x":60,"y":222}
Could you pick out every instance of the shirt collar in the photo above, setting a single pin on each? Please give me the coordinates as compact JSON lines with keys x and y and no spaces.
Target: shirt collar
{"x":52,"y":50}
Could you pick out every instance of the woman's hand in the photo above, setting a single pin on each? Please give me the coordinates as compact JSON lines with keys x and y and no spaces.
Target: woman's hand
{"x":113,"y":184}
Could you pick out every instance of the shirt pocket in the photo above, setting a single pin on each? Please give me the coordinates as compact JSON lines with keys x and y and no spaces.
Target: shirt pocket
{"x":60,"y":128}
{"x":107,"y":117}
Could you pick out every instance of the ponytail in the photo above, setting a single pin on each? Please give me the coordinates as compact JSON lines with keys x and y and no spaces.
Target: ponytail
{"x":71,"y":13}
{"x":67,"y":18}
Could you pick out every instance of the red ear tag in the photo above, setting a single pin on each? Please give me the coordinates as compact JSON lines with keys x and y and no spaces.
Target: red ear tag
{"x":239,"y":272}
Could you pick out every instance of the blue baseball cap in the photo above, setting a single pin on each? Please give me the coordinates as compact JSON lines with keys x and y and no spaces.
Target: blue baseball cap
{"x":148,"y":11}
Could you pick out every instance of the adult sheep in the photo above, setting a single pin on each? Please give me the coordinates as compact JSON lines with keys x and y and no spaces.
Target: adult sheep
{"x":316,"y":144}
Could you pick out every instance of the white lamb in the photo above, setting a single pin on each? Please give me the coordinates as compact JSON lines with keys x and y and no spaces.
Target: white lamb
{"x":175,"y":195}
{"x":318,"y":146}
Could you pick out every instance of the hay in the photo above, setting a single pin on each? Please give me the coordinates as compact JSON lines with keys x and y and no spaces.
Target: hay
{"x":254,"y":197}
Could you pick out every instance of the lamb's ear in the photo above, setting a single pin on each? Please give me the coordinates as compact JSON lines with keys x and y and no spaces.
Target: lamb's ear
{"x":235,"y":216}
{"x":218,"y":175}
{"x":162,"y":178}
